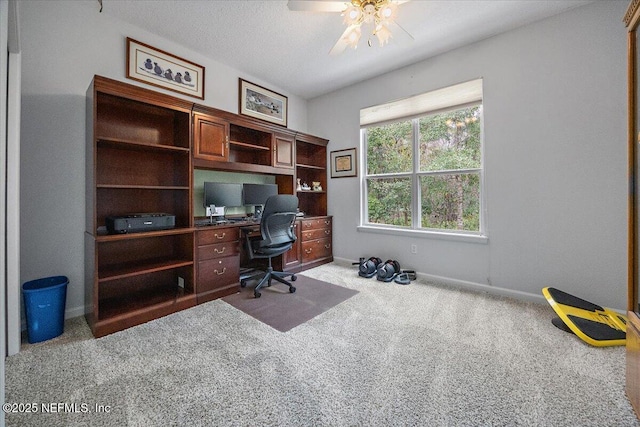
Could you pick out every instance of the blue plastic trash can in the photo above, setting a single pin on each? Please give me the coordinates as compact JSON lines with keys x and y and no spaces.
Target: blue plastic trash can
{"x":44,"y":303}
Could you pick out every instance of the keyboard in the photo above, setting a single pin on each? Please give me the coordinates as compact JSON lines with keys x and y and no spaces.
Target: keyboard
{"x":234,"y":220}
{"x":207,"y":222}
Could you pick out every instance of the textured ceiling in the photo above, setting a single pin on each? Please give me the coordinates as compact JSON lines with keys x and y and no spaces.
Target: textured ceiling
{"x":291,"y":49}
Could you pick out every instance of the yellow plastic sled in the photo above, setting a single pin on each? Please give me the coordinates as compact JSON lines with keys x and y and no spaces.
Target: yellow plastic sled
{"x":595,"y":325}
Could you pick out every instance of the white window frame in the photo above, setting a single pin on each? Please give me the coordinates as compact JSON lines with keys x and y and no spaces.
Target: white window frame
{"x":442,"y":100}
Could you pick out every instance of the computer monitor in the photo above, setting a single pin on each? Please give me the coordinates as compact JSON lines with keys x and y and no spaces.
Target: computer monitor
{"x":221,"y":195}
{"x":257,"y":195}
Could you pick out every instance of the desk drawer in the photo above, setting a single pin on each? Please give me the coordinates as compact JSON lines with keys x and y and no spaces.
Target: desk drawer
{"x":217,"y":273}
{"x":218,"y":250}
{"x":314,"y":223}
{"x":316,"y":249}
{"x":217,"y":235}
{"x":319,"y":233}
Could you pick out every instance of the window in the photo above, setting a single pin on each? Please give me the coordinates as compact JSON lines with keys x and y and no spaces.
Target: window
{"x":424,"y":171}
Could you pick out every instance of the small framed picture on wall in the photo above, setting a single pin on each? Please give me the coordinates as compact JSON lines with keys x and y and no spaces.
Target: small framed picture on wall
{"x":344,"y":163}
{"x":159,"y":68}
{"x":261,"y":103}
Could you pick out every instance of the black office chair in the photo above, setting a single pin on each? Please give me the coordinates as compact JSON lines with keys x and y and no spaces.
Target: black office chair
{"x":276,"y":229}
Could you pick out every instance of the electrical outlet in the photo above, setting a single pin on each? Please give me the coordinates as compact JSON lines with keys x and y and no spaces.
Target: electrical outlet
{"x":414,"y":249}
{"x":180,"y":282}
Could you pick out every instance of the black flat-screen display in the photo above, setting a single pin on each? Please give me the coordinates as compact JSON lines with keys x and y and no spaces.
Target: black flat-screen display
{"x":222,"y":194}
{"x":257,"y":194}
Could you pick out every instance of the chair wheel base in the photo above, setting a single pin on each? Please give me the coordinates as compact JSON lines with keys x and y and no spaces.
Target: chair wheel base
{"x":292,"y":289}
{"x":294,"y":277}
{"x":257,"y":294}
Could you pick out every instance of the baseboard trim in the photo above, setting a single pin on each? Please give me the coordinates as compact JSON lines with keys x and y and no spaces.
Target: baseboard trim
{"x":70,"y":313}
{"x":464,"y":284}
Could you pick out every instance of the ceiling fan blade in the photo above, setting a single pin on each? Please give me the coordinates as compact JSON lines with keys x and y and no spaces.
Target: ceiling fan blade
{"x":338,"y":48}
{"x":342,"y":42}
{"x":404,"y":34}
{"x":317,"y":5}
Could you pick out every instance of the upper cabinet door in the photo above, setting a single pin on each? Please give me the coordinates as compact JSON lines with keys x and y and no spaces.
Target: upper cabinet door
{"x":210,"y":138}
{"x":284,"y":151}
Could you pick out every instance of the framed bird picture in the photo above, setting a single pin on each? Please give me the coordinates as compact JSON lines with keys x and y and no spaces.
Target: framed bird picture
{"x":159,"y":68}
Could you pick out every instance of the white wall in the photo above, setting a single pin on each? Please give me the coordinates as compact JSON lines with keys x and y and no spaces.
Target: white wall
{"x":64,"y":44}
{"x":555,"y":158}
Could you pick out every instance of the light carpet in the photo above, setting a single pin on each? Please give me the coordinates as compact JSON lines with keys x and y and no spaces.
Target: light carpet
{"x":391,"y":355}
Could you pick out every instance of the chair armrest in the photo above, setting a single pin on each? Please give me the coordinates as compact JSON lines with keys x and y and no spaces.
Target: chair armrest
{"x":247,"y":230}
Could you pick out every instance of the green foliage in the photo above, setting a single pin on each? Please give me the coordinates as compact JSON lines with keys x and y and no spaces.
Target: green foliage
{"x":451,"y":201}
{"x":389,"y":148}
{"x":390,"y":201}
{"x":448,"y":141}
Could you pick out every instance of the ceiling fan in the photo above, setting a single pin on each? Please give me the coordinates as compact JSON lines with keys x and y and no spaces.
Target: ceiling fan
{"x":378,"y":15}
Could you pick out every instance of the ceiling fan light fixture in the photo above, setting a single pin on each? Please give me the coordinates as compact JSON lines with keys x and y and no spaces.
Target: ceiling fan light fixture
{"x":369,"y":13}
{"x":387,"y":11}
{"x":352,"y":36}
{"x":378,"y":13}
{"x":383,"y":34}
{"x":352,"y":15}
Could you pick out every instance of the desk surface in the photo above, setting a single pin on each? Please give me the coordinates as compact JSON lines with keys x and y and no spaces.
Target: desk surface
{"x":204,"y":223}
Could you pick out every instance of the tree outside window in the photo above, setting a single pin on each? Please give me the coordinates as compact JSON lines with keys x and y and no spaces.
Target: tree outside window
{"x":425,"y":173}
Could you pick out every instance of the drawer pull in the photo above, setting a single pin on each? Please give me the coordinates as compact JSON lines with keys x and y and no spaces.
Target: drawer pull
{"x":327,"y":222}
{"x":327,"y":246}
{"x":219,"y":252}
{"x":308,"y":225}
{"x":221,"y":237}
{"x":327,"y":232}
{"x":308,"y":251}
{"x":220,"y":273}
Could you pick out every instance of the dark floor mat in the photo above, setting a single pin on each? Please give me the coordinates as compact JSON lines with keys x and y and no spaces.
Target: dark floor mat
{"x":284,"y":311}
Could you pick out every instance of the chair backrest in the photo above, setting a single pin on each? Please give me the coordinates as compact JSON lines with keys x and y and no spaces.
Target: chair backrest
{"x":278,"y":216}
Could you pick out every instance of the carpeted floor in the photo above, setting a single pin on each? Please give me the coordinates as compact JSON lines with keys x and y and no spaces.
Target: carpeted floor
{"x":283,"y":310}
{"x":391,"y":355}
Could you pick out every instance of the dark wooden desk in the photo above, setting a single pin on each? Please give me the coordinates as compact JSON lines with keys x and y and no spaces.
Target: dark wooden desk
{"x":218,"y":259}
{"x":220,"y":253}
